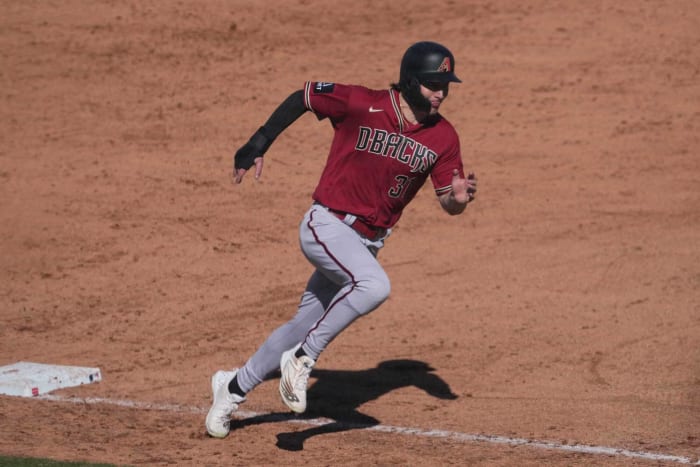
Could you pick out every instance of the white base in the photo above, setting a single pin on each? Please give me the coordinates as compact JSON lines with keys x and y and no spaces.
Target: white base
{"x":26,"y":379}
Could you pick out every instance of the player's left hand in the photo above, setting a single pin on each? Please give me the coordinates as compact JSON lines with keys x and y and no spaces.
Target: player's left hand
{"x":463,"y":189}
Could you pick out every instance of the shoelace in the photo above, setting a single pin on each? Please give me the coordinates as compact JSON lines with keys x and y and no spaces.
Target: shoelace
{"x":304,"y":372}
{"x":231,"y":399}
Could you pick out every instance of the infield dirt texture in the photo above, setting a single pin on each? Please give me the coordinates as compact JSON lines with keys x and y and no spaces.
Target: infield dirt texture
{"x":564,"y":306}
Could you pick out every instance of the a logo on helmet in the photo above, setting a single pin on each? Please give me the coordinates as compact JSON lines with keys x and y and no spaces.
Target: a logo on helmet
{"x":445,"y":66}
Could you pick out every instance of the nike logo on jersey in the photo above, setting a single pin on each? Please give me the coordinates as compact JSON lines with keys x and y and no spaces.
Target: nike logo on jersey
{"x":323,"y":88}
{"x":372,"y":109}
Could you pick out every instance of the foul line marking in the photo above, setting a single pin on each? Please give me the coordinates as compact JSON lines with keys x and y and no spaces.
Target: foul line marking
{"x":449,"y":435}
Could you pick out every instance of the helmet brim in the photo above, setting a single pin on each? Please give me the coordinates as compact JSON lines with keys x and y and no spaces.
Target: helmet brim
{"x":438,"y":77}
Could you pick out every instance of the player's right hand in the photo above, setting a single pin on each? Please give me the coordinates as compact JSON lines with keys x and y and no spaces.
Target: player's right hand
{"x":238,"y":173}
{"x":250,"y":154}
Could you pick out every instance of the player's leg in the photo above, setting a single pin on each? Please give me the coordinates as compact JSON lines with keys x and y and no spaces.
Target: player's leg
{"x":348,"y":282}
{"x":347,"y":260}
{"x":230,"y":387}
{"x":344,"y":257}
{"x":317,"y":296}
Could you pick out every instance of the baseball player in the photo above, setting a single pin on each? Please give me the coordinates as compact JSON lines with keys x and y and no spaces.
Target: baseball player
{"x":386,"y":145}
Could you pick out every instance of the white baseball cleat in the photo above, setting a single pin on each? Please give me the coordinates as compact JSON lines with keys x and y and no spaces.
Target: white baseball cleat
{"x":295,"y":377}
{"x":219,"y":416}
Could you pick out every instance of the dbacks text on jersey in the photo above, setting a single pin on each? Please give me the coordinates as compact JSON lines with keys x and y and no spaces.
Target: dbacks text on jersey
{"x":396,"y":146}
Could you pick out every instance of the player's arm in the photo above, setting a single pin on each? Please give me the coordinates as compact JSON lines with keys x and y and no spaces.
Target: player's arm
{"x":251,"y":153}
{"x":462,"y":193}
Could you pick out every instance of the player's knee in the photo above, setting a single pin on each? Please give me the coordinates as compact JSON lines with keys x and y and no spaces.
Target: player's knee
{"x":375,"y":290}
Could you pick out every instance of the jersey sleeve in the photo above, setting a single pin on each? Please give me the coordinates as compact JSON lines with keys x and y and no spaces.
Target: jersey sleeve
{"x":327,"y":99}
{"x":441,"y":174}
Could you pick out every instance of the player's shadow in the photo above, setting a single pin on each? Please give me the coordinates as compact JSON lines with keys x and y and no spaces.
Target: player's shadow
{"x":338,"y":394}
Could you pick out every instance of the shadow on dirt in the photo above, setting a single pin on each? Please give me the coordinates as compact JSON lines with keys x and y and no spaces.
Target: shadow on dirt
{"x":337,"y":395}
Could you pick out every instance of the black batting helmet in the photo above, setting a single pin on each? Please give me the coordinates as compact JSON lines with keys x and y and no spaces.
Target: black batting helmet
{"x":424,"y":63}
{"x":427,"y":62}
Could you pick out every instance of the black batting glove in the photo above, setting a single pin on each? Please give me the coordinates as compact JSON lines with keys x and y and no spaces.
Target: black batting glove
{"x":256,"y":146}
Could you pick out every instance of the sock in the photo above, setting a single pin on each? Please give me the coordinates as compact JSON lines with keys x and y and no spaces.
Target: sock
{"x":234,"y":388}
{"x":300,"y":352}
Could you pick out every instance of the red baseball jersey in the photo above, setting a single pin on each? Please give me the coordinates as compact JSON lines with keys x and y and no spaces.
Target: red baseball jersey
{"x":378,"y":160}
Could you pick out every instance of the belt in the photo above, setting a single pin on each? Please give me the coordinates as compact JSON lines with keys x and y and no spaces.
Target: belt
{"x":370,"y":232}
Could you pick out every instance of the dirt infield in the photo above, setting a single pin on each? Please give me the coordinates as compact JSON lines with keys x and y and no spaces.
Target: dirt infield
{"x":563,"y":307}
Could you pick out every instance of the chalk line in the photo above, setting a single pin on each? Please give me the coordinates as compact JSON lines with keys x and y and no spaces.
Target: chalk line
{"x":407,"y":431}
